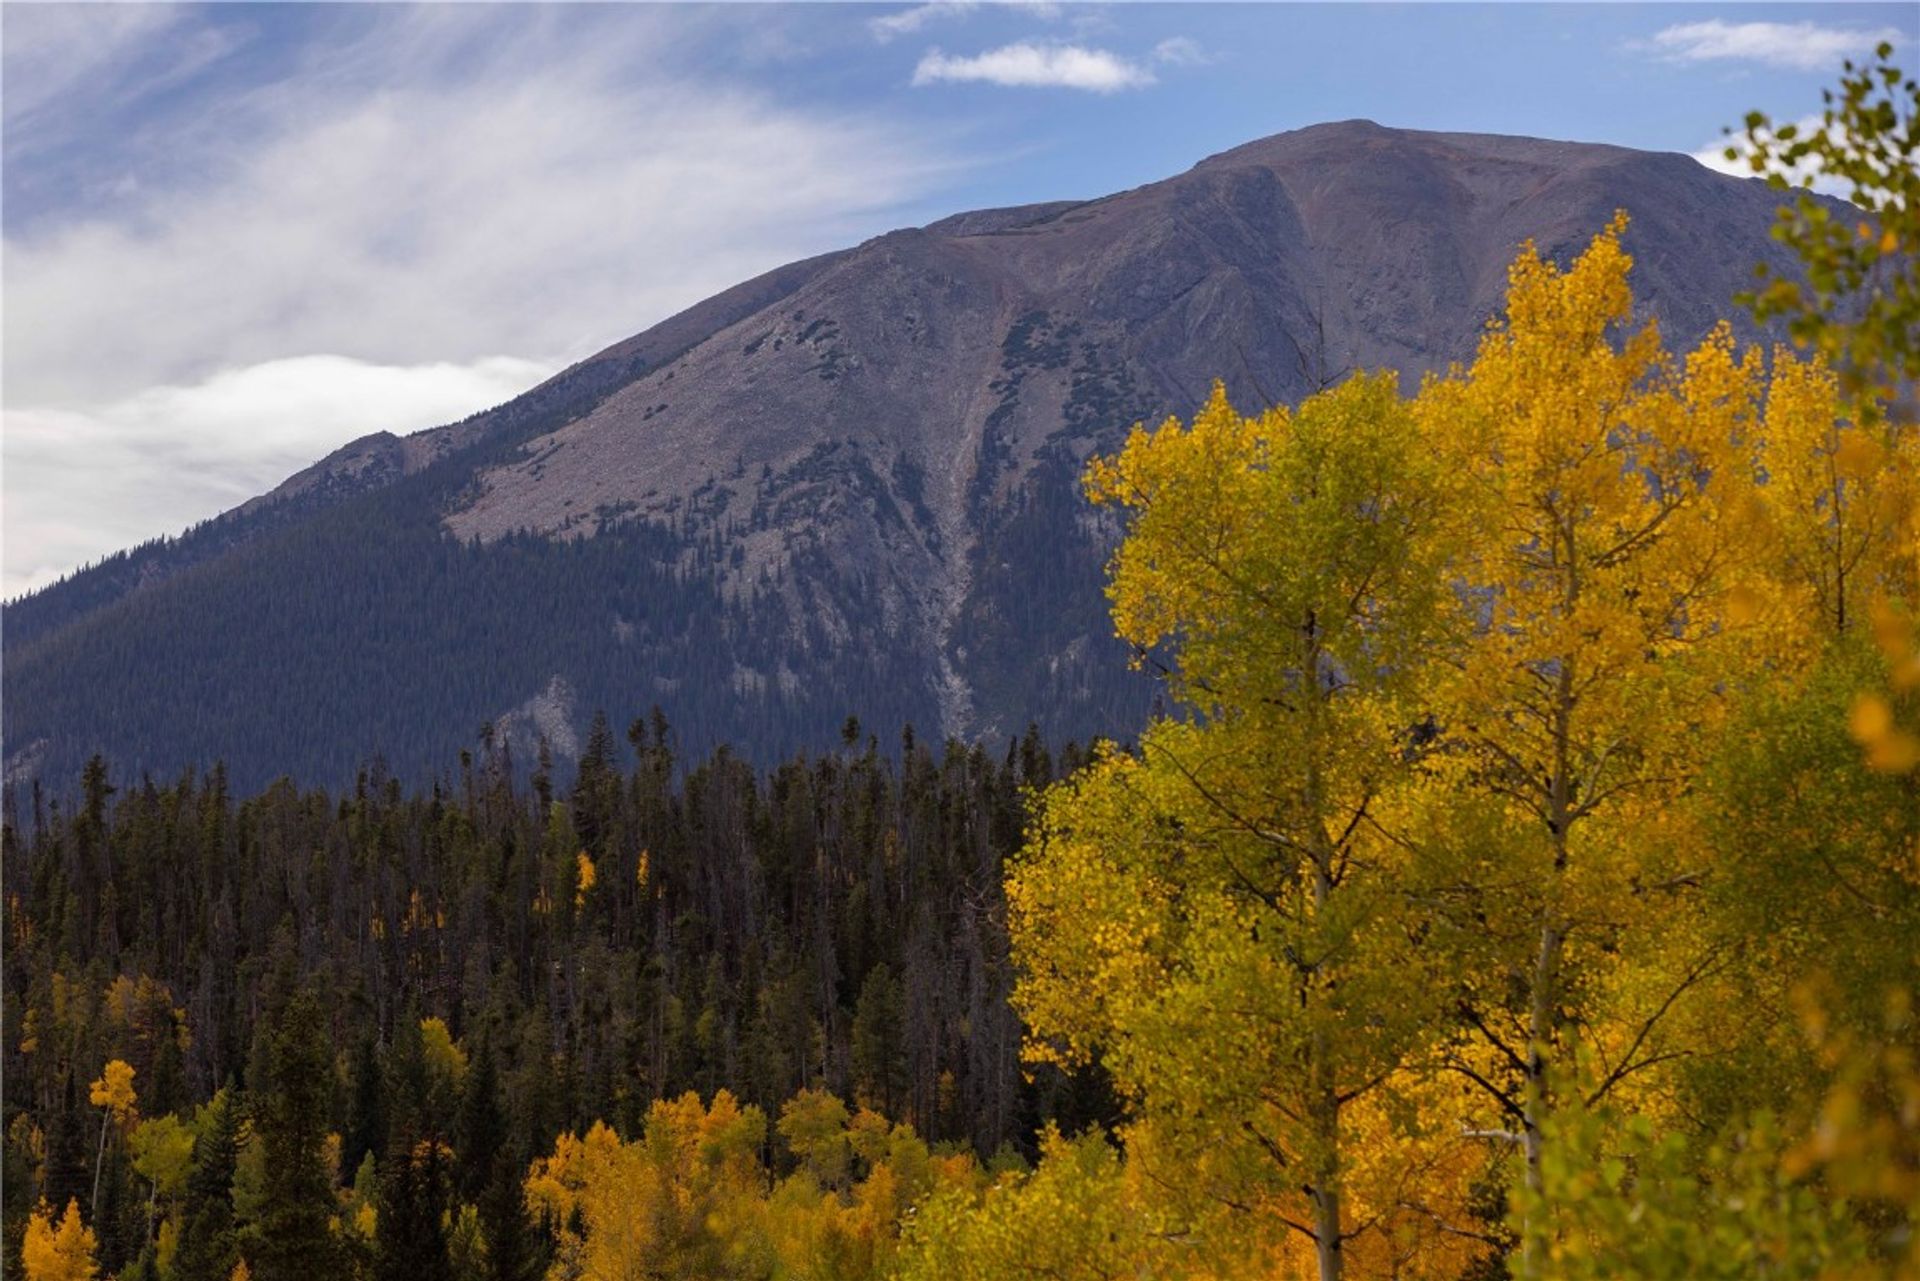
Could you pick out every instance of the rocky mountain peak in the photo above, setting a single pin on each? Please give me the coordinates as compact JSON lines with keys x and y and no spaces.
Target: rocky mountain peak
{"x":851,"y":484}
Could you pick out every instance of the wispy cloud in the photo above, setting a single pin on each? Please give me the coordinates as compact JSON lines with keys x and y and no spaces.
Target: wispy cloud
{"x":54,"y":49}
{"x":1026,"y":64}
{"x":904,"y":22}
{"x":1799,"y":46}
{"x":443,"y":185}
{"x":1181,"y":51}
{"x":536,"y":190}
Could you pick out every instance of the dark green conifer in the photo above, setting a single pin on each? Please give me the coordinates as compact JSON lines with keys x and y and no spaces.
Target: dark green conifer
{"x":480,"y":1131}
{"x":292,"y":1240}
{"x":207,"y":1251}
{"x":880,"y":1040}
{"x":366,"y":1130}
{"x":512,"y":1253}
{"x":69,"y":1159}
{"x":410,"y":1235}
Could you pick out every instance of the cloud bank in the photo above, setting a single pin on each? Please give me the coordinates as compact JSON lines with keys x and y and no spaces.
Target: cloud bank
{"x":426,"y":188}
{"x":82,"y":481}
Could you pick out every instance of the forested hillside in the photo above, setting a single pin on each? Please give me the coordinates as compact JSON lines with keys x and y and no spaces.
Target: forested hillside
{"x":660,"y":927}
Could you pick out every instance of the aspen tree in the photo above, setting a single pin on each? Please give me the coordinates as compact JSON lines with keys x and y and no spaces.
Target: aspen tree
{"x":1222,"y":917}
{"x":1612,"y":485}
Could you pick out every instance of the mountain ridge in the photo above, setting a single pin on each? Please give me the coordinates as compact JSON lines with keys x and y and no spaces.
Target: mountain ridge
{"x":859,"y":471}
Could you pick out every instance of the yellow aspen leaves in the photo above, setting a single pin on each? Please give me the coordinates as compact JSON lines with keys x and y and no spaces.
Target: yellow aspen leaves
{"x":1614,"y":495}
{"x":1889,"y":747}
{"x":584,"y":875}
{"x":1837,"y":499}
{"x":1221,"y":916}
{"x":1078,"y":1217}
{"x":690,"y":1196}
{"x":114,"y":1092}
{"x":163,"y":1154}
{"x":60,"y":1251}
{"x":1417,"y":863}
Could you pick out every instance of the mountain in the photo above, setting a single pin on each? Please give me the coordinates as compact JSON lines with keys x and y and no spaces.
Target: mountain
{"x":846,"y":487}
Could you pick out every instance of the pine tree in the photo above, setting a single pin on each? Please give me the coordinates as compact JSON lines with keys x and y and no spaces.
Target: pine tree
{"x":410,"y":1237}
{"x":481,"y":1129}
{"x":69,"y":1167}
{"x":292,"y":1240}
{"x":407,"y":1083}
{"x":207,"y":1250}
{"x":366,"y":1130}
{"x":879,"y":1039}
{"x":119,"y":1223}
{"x":511,"y":1254}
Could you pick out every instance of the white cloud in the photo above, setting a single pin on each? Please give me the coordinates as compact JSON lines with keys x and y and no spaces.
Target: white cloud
{"x":82,"y":481}
{"x":1714,"y":156}
{"x":1800,"y":46}
{"x":451,"y":183}
{"x":1029,"y":65}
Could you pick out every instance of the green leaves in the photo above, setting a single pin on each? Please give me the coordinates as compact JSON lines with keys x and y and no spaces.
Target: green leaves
{"x":1859,"y":306}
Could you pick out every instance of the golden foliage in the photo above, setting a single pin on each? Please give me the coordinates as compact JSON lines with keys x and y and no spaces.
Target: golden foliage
{"x":690,"y":1196}
{"x":584,"y":875}
{"x":114,"y":1092}
{"x":58,"y":1252}
{"x":1417,"y":878}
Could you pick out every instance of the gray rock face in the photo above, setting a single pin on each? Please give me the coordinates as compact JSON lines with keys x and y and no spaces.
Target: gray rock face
{"x":905,"y":403}
{"x":872,"y":457}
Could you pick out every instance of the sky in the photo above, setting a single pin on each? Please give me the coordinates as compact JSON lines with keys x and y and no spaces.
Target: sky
{"x":234,"y":237}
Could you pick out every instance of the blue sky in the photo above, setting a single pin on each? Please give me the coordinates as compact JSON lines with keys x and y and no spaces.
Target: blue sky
{"x":236,"y":236}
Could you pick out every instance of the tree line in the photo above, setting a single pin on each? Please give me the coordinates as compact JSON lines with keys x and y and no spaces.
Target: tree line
{"x":835,"y":924}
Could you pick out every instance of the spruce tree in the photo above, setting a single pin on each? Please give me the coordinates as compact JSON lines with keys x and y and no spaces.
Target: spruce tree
{"x":511,"y":1249}
{"x":69,"y":1164}
{"x":292,"y":1240}
{"x":410,"y":1236}
{"x":206,"y":1251}
{"x":880,"y":1039}
{"x":481,"y":1128}
{"x":68,"y":1155}
{"x":366,"y":1130}
{"x":408,"y":1114}
{"x":119,"y":1221}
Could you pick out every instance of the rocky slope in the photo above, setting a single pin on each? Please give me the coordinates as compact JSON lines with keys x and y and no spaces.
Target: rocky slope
{"x":853,"y":479}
